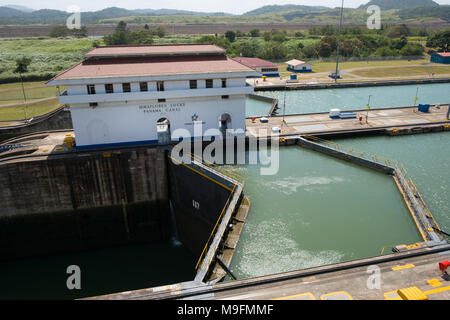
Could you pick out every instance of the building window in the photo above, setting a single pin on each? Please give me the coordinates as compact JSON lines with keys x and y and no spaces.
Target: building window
{"x":160,"y":85}
{"x":143,"y":86}
{"x":91,"y":88}
{"x":193,"y":84}
{"x":224,"y":83}
{"x":126,"y":87}
{"x":225,"y":97}
{"x":209,"y":83}
{"x":109,"y":88}
{"x":161,"y":100}
{"x":269,"y":70}
{"x":93,"y":104}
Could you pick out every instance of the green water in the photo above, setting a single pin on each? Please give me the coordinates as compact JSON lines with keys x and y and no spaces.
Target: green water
{"x":317,"y":210}
{"x":427,"y":160}
{"x":310,"y":101}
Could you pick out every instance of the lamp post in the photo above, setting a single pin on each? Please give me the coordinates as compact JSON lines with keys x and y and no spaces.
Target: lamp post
{"x":368,"y":108}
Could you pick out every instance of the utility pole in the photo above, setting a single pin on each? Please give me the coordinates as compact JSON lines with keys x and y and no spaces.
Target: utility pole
{"x":24,"y":98}
{"x":339,"y":44}
{"x":284,"y":110}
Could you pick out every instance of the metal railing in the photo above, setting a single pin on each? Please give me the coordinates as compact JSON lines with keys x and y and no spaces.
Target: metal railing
{"x":355,"y":152}
{"x":219,"y":169}
{"x":213,"y":232}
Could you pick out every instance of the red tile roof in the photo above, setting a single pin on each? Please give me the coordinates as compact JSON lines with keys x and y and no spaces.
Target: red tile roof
{"x":444,"y":54}
{"x":255,"y":62}
{"x":150,"y":66}
{"x":154,"y":50}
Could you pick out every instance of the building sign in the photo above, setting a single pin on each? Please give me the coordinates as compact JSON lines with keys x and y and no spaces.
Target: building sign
{"x":161,"y":107}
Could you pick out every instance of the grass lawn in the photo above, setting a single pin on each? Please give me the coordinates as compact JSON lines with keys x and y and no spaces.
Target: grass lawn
{"x":403,"y":71}
{"x":319,"y":67}
{"x":32,"y":110}
{"x":12,"y":92}
{"x":328,"y":66}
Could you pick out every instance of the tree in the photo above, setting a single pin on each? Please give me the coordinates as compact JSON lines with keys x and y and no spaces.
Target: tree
{"x":384,"y":52}
{"x":324,"y":50}
{"x":59,"y":31}
{"x":161,"y":31}
{"x":398,"y":31}
{"x":220,"y":41}
{"x":120,"y":36}
{"x":331,"y":41}
{"x":399,"y":43}
{"x":412,"y":50}
{"x":267,"y":36}
{"x":440,"y":41}
{"x":254,"y":33}
{"x":230,"y":35}
{"x":22,"y":65}
{"x":278,"y":36}
{"x":80,"y":33}
{"x":310,"y":52}
{"x":121,"y":27}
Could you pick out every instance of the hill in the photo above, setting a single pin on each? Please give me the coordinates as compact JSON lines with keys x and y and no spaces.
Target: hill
{"x":400,"y":4}
{"x":14,"y":16}
{"x":271,"y":9}
{"x":20,"y":8}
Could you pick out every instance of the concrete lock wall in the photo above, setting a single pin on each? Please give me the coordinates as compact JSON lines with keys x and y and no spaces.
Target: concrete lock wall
{"x":92,"y":200}
{"x":198,"y":198}
{"x":83,"y":202}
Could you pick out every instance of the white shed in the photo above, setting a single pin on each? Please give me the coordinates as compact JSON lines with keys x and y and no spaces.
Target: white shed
{"x":298,"y":66}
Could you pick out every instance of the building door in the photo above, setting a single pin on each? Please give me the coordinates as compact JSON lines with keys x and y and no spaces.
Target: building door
{"x":163,"y":131}
{"x":224,"y":123}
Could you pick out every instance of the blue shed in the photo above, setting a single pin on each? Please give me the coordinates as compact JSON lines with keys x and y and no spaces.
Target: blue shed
{"x":441,"y":57}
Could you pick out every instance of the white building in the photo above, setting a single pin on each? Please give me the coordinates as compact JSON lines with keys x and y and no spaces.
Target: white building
{"x":119,"y":94}
{"x":298,"y":66}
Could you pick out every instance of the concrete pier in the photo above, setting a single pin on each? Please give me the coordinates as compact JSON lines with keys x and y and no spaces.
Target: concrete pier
{"x":390,"y":121}
{"x":277,"y":84}
{"x":343,"y":281}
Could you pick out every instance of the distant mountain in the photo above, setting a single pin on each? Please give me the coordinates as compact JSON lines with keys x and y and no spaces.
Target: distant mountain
{"x":283,"y":8}
{"x":441,"y":12}
{"x":400,"y":4}
{"x":46,"y":16}
{"x":20,"y":8}
{"x":164,"y":12}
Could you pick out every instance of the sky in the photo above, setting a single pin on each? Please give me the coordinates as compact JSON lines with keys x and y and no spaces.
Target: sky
{"x":229,"y":6}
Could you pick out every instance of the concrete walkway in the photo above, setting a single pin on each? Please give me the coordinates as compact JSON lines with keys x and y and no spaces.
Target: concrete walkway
{"x":322,"y":123}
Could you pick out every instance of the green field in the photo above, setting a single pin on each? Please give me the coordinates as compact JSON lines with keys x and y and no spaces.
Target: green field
{"x":12,"y":94}
{"x":31,"y":110}
{"x":49,"y":56}
{"x":411,"y":71}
